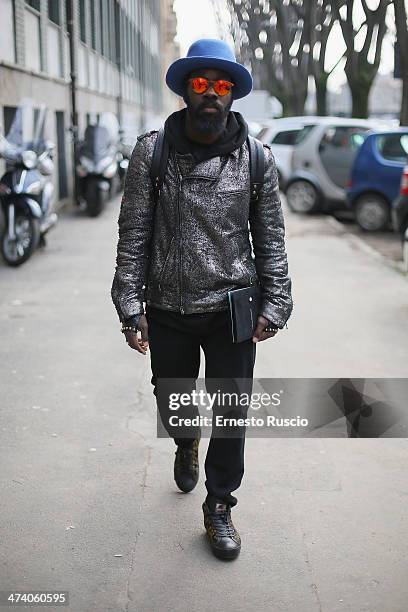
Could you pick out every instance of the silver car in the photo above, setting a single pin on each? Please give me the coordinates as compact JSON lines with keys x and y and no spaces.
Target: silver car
{"x":321,"y":163}
{"x":283,"y":134}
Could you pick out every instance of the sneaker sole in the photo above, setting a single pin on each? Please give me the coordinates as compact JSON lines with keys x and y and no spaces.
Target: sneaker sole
{"x":225,"y":554}
{"x":185,"y":490}
{"x":220,"y":553}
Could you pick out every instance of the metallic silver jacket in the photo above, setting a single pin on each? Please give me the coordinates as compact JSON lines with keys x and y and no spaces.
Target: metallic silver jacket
{"x":200,"y":247}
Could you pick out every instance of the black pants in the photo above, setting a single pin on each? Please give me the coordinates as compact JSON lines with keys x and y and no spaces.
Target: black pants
{"x":174,"y":344}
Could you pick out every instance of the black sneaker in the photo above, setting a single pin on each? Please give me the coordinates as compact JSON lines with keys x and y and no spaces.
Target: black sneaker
{"x":224,"y":538}
{"x":186,"y":467}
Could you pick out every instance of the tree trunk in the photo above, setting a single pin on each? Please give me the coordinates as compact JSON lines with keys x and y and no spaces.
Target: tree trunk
{"x":404,"y":101}
{"x":321,"y":96}
{"x":293,"y":104}
{"x":289,"y":109}
{"x":359,"y":71}
{"x":297,"y":102}
{"x":360,"y":91}
{"x":359,"y":97}
{"x":402,"y":38}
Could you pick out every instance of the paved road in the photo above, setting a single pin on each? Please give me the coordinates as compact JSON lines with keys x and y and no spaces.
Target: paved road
{"x":88,"y":503}
{"x":386,"y":243}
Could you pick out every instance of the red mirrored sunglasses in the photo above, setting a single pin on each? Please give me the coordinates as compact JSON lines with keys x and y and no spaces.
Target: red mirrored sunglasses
{"x":200,"y":84}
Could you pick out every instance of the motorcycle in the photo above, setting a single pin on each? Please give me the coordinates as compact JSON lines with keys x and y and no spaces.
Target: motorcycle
{"x":26,"y":190}
{"x":97,"y":167}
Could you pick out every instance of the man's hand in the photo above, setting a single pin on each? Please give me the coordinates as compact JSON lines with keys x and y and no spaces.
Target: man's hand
{"x":139,"y":344}
{"x":259,"y":333}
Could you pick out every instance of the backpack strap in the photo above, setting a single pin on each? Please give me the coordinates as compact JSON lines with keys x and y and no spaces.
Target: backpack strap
{"x":159,"y":162}
{"x":256,"y":166}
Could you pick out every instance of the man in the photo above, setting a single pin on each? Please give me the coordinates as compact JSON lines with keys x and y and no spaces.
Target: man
{"x":182,"y":256}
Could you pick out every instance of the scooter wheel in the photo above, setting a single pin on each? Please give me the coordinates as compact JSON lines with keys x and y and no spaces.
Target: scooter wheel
{"x":27,"y":230}
{"x":94,"y":199}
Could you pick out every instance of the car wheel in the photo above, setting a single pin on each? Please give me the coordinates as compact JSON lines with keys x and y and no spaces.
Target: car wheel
{"x":372,"y":212}
{"x":303,"y":197}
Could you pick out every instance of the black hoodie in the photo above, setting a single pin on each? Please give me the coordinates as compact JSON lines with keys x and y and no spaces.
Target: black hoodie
{"x":232,"y":137}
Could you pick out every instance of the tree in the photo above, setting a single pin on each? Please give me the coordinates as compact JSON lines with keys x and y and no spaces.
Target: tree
{"x":360,"y":71}
{"x":290,"y":37}
{"x":275,"y":39}
{"x":322,"y":22}
{"x":402,"y":40}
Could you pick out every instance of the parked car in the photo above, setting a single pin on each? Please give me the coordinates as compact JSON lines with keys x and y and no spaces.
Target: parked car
{"x":282,"y":134}
{"x":376,"y":177}
{"x":321,"y":164}
{"x":254,"y":128}
{"x":399,"y":209}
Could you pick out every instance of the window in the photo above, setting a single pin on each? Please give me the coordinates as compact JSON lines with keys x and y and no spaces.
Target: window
{"x":393,"y":147}
{"x":33,"y":51}
{"x":305,"y":131}
{"x":287,"y":137}
{"x":103,"y":28}
{"x":344,"y":137}
{"x":8,"y":34}
{"x":9,"y":113}
{"x":93,"y":25}
{"x":35,"y":4}
{"x":54,"y":11}
{"x":68,"y":8}
{"x":112,"y":31}
{"x":82,"y":22}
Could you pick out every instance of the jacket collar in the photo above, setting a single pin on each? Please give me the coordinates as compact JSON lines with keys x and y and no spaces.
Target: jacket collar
{"x":209,"y":168}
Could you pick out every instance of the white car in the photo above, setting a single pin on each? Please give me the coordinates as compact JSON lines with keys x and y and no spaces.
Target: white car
{"x":282,"y":134}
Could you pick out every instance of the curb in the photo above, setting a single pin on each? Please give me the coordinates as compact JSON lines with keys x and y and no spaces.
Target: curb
{"x":363,"y":246}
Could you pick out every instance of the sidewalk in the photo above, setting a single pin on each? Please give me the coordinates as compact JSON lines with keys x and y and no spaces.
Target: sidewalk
{"x":84,"y":478}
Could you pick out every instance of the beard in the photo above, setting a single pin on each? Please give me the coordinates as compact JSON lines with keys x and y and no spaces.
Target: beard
{"x":209,"y":123}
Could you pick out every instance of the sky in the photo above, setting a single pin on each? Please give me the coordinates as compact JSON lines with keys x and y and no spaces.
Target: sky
{"x":195,"y":19}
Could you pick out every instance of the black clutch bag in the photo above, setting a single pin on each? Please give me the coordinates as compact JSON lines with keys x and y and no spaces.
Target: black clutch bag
{"x":244,"y":307}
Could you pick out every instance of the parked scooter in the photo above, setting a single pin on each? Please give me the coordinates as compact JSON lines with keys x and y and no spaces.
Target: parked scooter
{"x":25,"y":189}
{"x":97,"y":167}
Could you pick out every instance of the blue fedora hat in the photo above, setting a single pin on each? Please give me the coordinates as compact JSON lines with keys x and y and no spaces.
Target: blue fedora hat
{"x":209,"y":53}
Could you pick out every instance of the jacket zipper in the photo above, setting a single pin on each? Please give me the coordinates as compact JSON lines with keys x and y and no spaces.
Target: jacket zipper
{"x":181,"y":240}
{"x":165,"y":263}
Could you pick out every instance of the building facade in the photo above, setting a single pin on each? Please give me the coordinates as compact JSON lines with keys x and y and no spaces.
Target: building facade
{"x":113,"y":51}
